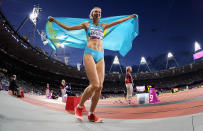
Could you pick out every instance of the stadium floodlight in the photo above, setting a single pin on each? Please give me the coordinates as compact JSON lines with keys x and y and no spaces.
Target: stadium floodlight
{"x":45,"y":42}
{"x":34,"y":15}
{"x":62,"y":45}
{"x":78,"y":66}
{"x":170,"y":55}
{"x":198,"y":53}
{"x":116,"y":61}
{"x":197,"y":46}
{"x":143,"y":60}
{"x":66,"y":60}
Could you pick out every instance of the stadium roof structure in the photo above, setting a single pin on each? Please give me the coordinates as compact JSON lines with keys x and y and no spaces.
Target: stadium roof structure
{"x":15,"y":45}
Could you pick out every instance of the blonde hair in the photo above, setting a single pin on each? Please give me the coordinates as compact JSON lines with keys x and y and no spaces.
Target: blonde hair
{"x":90,"y":15}
{"x":128,"y":68}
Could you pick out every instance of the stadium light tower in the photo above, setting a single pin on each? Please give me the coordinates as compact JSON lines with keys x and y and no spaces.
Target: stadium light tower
{"x":143,"y":62}
{"x":62,"y":45}
{"x":198,"y":52}
{"x":170,"y":57}
{"x":197,"y":46}
{"x":32,"y":17}
{"x":116,"y":62}
{"x":78,"y":66}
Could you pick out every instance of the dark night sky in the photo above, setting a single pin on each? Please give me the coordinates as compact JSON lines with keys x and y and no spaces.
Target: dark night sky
{"x":165,"y":25}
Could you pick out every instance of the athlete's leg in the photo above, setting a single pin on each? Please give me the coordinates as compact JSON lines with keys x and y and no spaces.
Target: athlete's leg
{"x":100,"y":66}
{"x":97,"y":93}
{"x":91,"y":71}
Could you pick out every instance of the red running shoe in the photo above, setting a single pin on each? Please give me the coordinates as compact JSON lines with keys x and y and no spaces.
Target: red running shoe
{"x":78,"y":113}
{"x":93,"y":118}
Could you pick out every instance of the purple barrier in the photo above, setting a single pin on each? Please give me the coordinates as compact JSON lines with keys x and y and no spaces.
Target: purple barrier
{"x":4,"y":87}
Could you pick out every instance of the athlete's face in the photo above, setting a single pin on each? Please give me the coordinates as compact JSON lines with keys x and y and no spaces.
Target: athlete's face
{"x":96,"y":13}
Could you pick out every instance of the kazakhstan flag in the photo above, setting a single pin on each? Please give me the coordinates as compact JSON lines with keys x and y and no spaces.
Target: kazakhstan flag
{"x":117,"y":38}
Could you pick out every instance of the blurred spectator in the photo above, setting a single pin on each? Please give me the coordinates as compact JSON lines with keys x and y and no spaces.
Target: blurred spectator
{"x":54,"y":95}
{"x":69,"y":90}
{"x":14,"y":87}
{"x":63,"y":92}
{"x":0,"y":86}
{"x":47,"y":90}
{"x":50,"y":94}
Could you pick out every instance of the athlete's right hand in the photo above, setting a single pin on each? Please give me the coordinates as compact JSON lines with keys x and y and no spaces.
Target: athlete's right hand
{"x":133,"y":15}
{"x":51,"y":19}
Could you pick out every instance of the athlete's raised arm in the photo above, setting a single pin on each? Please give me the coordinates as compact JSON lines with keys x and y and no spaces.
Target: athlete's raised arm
{"x":108,"y":25}
{"x":76,"y":27}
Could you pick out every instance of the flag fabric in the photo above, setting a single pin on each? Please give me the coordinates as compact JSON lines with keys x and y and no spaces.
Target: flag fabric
{"x":117,"y":38}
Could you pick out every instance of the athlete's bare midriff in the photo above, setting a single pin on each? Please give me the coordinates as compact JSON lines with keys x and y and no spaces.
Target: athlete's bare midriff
{"x":95,"y":44}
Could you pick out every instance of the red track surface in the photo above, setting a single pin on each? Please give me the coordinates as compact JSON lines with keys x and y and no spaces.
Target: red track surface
{"x":149,"y":112}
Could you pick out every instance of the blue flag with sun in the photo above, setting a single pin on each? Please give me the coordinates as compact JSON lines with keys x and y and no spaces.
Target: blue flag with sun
{"x":117,"y":38}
